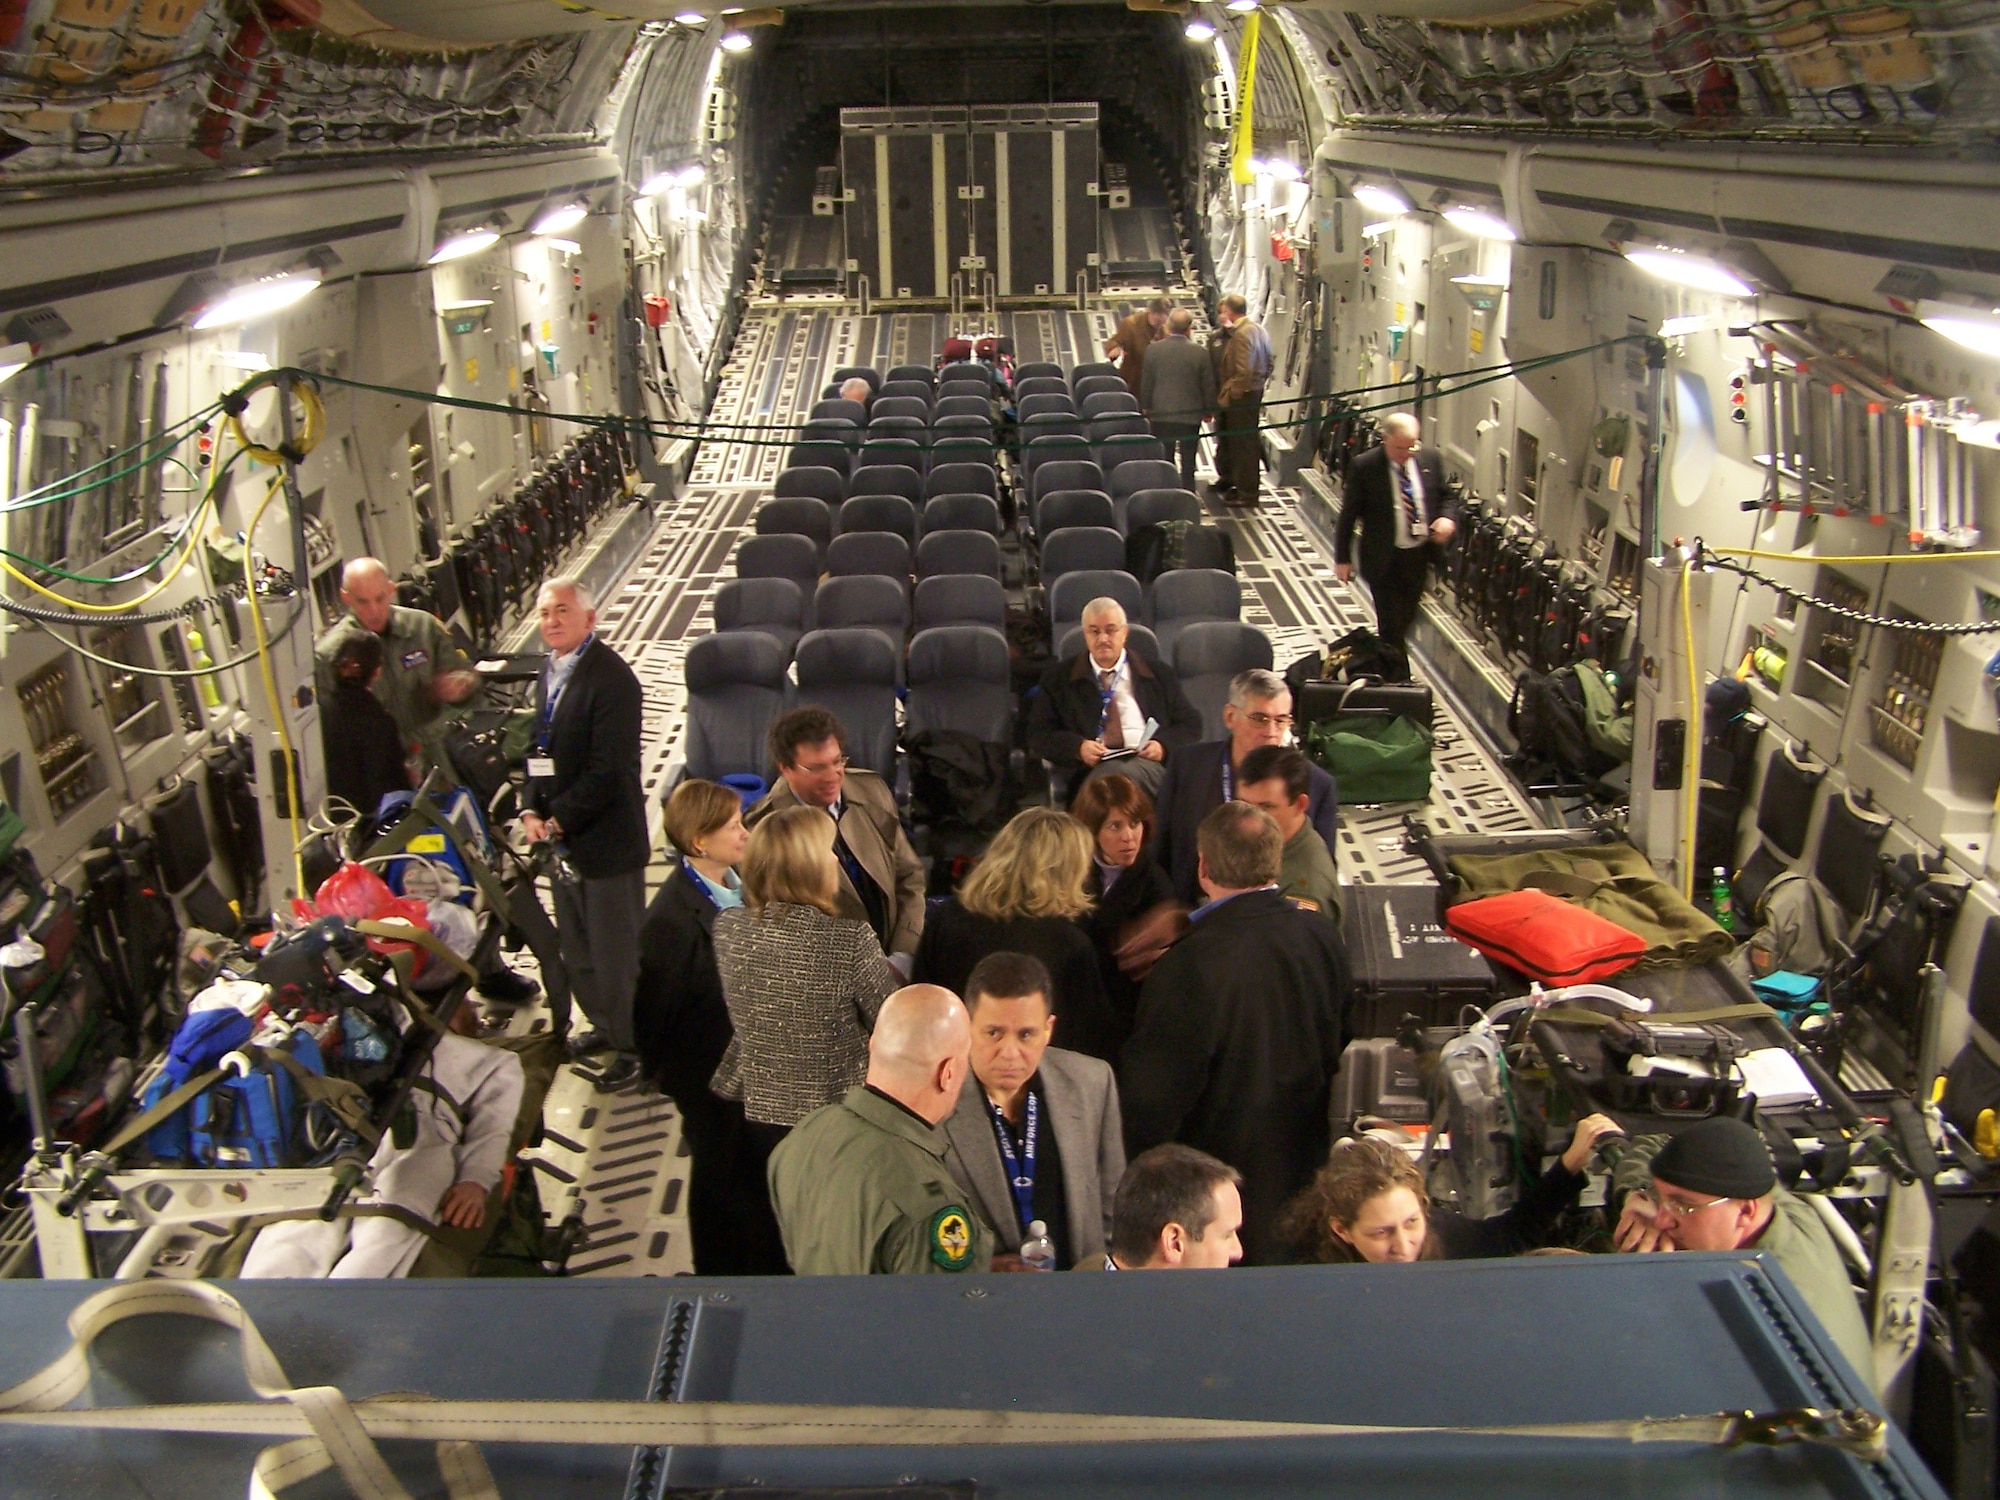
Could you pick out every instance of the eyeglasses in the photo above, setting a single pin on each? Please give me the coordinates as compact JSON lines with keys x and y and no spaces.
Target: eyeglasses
{"x":1265,"y":721}
{"x":1687,"y":1210}
{"x":838,"y":763}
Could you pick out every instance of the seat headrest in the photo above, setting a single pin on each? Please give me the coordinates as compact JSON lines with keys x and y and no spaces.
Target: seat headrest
{"x":840,"y":657}
{"x":735,"y":658}
{"x":947,"y":652}
{"x":1221,"y":646}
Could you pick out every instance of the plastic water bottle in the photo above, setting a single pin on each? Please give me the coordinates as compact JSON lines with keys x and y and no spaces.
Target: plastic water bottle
{"x":1725,"y":904}
{"x":1038,"y":1251}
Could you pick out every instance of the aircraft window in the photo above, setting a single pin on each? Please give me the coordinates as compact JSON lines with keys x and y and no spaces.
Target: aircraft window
{"x":1694,"y":441}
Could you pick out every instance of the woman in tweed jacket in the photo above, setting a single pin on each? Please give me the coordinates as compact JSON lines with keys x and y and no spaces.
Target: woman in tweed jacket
{"x":803,"y":987}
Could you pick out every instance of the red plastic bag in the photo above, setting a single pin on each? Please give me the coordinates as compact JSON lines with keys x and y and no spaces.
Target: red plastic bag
{"x":1555,"y":941}
{"x":355,"y":892}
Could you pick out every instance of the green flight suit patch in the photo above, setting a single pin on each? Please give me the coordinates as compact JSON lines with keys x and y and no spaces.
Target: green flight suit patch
{"x":950,"y":1235}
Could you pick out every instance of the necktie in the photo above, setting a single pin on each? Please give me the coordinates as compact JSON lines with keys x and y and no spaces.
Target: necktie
{"x":1409,"y":497}
{"x":1114,"y":721}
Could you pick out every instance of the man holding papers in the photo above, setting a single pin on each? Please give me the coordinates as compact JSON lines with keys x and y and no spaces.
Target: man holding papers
{"x":1107,"y":708}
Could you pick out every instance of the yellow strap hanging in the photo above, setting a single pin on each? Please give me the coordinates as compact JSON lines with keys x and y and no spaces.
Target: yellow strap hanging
{"x":1243,"y":137}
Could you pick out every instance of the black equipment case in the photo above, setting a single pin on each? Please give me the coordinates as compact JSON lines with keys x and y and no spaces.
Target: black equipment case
{"x":1405,"y":963}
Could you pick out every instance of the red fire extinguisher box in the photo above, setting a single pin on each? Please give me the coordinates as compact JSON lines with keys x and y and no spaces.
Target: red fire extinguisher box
{"x":658,"y":311}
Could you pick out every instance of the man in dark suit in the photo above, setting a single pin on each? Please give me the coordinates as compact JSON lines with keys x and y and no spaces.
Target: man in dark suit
{"x":1036,"y":1133}
{"x":1177,"y":391}
{"x":1240,"y":1028}
{"x":1100,"y":700}
{"x":1203,"y":777}
{"x":584,"y":795}
{"x":1396,"y":494}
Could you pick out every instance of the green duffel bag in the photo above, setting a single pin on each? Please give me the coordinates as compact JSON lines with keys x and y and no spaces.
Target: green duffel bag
{"x":1373,"y":757}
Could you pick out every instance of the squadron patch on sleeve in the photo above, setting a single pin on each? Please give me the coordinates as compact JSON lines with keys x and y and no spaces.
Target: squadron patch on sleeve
{"x":950,"y":1235}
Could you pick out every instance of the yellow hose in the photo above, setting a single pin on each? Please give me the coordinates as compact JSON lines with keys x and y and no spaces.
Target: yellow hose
{"x":1691,"y":755}
{"x":271,"y":683}
{"x":166,"y":580}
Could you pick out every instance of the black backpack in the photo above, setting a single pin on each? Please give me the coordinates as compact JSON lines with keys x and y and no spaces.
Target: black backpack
{"x":1162,"y":546}
{"x":1549,"y":727}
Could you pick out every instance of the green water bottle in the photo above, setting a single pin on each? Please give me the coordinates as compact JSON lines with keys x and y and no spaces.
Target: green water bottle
{"x":1725,"y":904}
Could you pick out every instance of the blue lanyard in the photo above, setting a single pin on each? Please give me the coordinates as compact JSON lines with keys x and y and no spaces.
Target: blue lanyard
{"x":1228,"y":777}
{"x":1020,"y":1168}
{"x":551,"y":695}
{"x":695,"y":880}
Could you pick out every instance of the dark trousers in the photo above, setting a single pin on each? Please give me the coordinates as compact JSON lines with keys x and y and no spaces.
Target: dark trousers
{"x":1186,"y":437}
{"x":1398,"y":592}
{"x":1239,"y":451}
{"x":598,"y":924}
{"x":758,"y":1238}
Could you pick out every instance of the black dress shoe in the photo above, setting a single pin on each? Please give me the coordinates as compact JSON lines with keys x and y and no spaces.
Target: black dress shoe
{"x":582,"y":1043}
{"x":505,"y":987}
{"x":622,"y":1072}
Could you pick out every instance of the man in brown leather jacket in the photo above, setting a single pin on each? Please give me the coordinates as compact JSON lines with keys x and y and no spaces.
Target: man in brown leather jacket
{"x":1128,"y":345}
{"x":1243,"y":363}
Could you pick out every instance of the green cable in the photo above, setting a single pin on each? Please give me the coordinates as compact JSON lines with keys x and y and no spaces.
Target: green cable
{"x":705,"y":431}
{"x":69,"y":487}
{"x":139,"y":570}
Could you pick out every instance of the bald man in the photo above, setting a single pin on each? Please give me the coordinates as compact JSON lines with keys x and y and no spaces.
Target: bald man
{"x":423,"y":669}
{"x":861,"y":1187}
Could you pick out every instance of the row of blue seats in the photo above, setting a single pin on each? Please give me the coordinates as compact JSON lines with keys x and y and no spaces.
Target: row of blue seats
{"x":956,"y":678}
{"x":787,"y":607}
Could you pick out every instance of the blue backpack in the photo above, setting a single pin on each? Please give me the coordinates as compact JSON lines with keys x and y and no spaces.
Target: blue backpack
{"x":247,"y":1119}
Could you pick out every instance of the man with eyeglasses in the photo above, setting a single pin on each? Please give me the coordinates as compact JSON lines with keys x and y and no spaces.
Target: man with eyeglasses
{"x":1200,"y":778}
{"x":881,"y":878}
{"x":1712,"y":1187}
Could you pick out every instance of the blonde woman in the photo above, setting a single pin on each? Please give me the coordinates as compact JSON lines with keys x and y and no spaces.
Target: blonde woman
{"x":803,"y":987}
{"x":1027,"y":895}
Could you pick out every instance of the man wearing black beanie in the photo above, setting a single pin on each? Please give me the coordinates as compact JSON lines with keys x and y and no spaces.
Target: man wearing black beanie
{"x":1712,"y":1187}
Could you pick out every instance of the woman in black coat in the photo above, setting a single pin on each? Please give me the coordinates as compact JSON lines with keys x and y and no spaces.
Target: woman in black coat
{"x":365,"y":755}
{"x":1026,"y":895}
{"x":680,"y":1020}
{"x":1136,"y":915}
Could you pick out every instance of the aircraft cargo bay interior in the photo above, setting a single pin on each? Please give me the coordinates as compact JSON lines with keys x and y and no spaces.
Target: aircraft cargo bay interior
{"x":683,"y":689}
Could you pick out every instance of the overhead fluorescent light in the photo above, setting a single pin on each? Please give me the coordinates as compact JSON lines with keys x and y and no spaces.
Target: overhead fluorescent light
{"x":1277,"y":167}
{"x":684,"y":175}
{"x":1479,"y":223}
{"x":1971,"y":325}
{"x":691,"y":18}
{"x":1243,"y":7}
{"x":1684,"y":268}
{"x":1680,"y":328}
{"x":1376,"y":230}
{"x":1380,"y":200}
{"x":735,"y":41}
{"x":258,"y":299}
{"x":1198,"y":30}
{"x":465,"y":242}
{"x":568,"y":247}
{"x":14,"y":358}
{"x":560,"y":219}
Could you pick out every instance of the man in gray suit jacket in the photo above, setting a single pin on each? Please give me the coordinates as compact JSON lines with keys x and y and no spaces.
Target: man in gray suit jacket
{"x":1036,"y":1133}
{"x":1177,"y":390}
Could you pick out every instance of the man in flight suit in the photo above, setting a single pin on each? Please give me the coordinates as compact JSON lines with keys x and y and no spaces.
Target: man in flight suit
{"x":861,"y":1187}
{"x":423,"y":670}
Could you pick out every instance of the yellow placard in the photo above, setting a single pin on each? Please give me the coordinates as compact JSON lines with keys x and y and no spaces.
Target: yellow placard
{"x":472,"y":371}
{"x":1244,"y":135}
{"x":1477,"y":341}
{"x":548,"y":333}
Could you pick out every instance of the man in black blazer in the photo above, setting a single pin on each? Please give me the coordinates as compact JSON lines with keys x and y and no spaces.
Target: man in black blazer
{"x":1203,"y":777}
{"x":584,"y":794}
{"x":1396,"y":494}
{"x":1099,"y":700}
{"x":1240,"y":1028}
